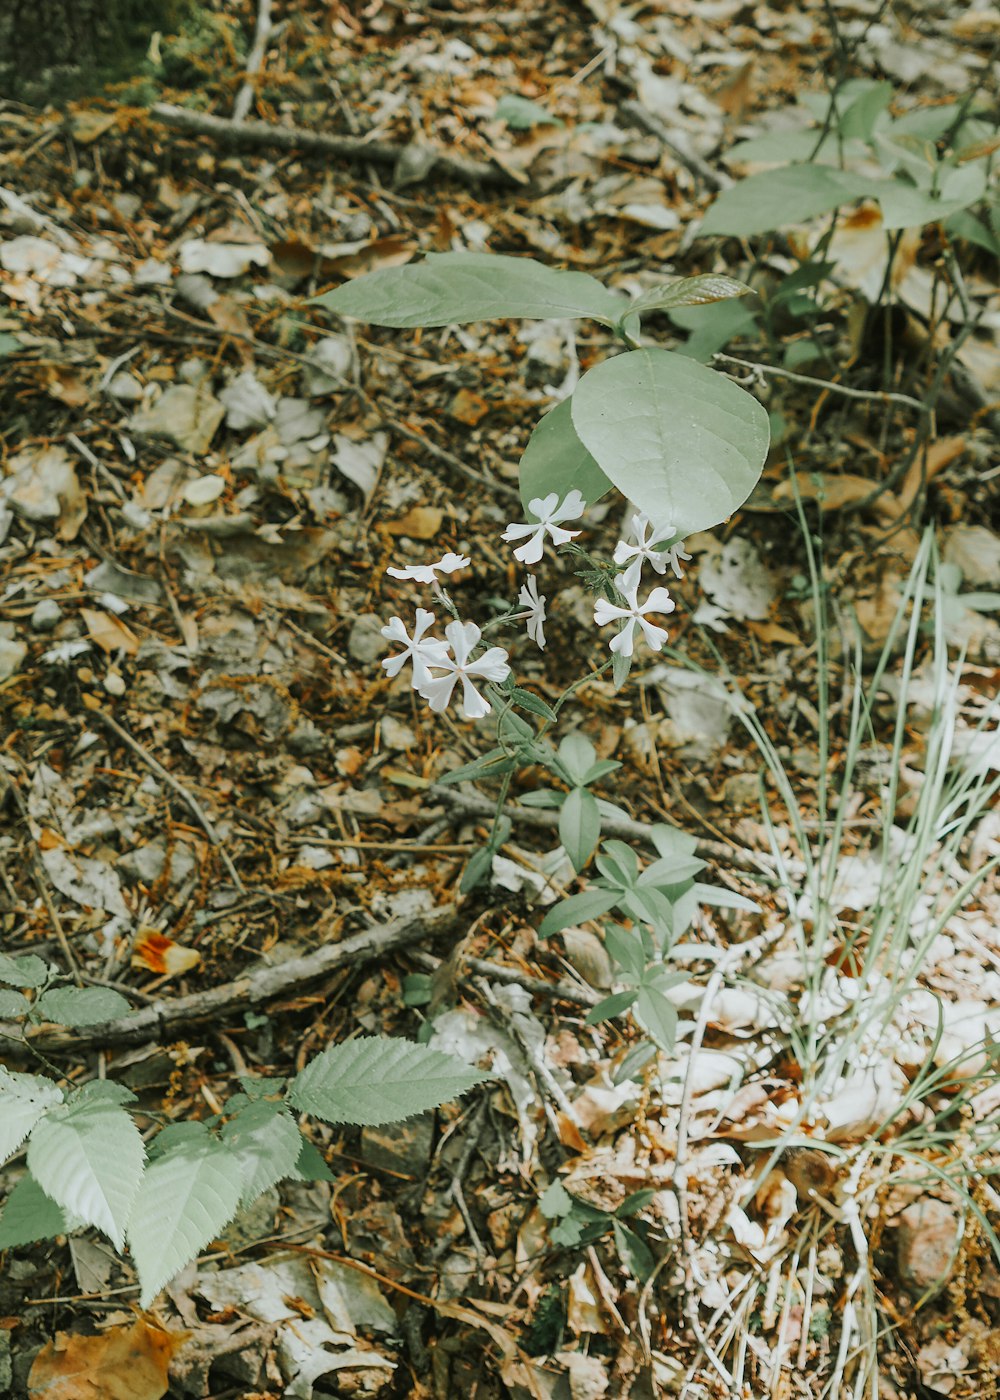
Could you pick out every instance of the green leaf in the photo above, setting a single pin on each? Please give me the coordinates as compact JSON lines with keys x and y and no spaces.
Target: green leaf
{"x":265,"y":1143}
{"x":24,"y":1101}
{"x":81,"y":1006}
{"x":861,"y":117}
{"x":777,"y":198}
{"x":13,"y":1005}
{"x":634,"y":1061}
{"x":478,"y":869}
{"x":25,"y":971}
{"x":626,"y":949}
{"x":521,"y":114}
{"x":670,"y":870}
{"x":556,"y":460}
{"x":906,"y":206}
{"x":533,"y":703}
{"x":634,"y":1253}
{"x":658,"y":1017}
{"x":375,"y":1079}
{"x":418,"y":988}
{"x":671,"y":840}
{"x":689,"y":291}
{"x":577,"y":755}
{"x":541,"y":797}
{"x":720,"y":898}
{"x":600,"y":769}
{"x":447,"y":289}
{"x":88,"y":1156}
{"x":9,"y":344}
{"x":579,"y":826}
{"x":555,"y":1200}
{"x":187,"y":1196}
{"x":621,"y":665}
{"x":578,"y":909}
{"x":683,"y":443}
{"x":491,"y":765}
{"x":636,"y":1201}
{"x":713,"y":327}
{"x":30,"y":1215}
{"x":611,"y":1006}
{"x":311,"y":1165}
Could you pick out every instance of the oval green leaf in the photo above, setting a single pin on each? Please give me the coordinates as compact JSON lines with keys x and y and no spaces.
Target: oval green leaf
{"x":682,"y":442}
{"x":556,"y":460}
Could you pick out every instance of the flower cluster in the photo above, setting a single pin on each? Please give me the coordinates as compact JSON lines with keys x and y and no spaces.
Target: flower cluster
{"x":438,"y":665}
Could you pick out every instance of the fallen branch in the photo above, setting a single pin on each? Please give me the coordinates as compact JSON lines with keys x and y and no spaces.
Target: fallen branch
{"x":294,"y":138}
{"x":164,"y":1020}
{"x":244,"y":98}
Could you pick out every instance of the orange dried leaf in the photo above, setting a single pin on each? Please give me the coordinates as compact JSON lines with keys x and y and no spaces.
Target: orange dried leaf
{"x":123,"y":1363}
{"x":108,"y":633}
{"x":163,"y":956}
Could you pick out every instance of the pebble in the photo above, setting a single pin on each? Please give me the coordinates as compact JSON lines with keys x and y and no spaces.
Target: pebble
{"x":366,"y":643}
{"x":927,"y":1242}
{"x":12,"y":653}
{"x":46,"y":615}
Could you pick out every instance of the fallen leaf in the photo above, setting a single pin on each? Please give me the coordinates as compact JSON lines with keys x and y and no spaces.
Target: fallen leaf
{"x":163,"y":956}
{"x":123,"y":1363}
{"x":108,"y":632}
{"x":829,"y":492}
{"x":774,"y":632}
{"x":420,"y":523}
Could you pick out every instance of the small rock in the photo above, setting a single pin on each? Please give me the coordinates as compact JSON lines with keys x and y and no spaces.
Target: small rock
{"x":395,"y":734}
{"x":11,"y":655}
{"x":400,"y":1147}
{"x":366,"y":643}
{"x":927,"y":1243}
{"x":46,"y":615}
{"x":125,"y":387}
{"x":588,"y":955}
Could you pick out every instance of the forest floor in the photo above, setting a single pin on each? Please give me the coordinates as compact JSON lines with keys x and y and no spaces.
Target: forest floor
{"x":206,"y":772}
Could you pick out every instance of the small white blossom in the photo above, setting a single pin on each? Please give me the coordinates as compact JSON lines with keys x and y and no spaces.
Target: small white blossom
{"x":463,"y":637}
{"x":427,"y":573}
{"x":645,"y":546}
{"x":420,"y":652}
{"x":659,"y":601}
{"x":535,"y":616}
{"x":548,"y":512}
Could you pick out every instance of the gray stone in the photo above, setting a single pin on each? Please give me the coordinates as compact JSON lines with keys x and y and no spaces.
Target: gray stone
{"x":12,"y":653}
{"x":927,"y":1243}
{"x":366,"y":643}
{"x":46,"y":615}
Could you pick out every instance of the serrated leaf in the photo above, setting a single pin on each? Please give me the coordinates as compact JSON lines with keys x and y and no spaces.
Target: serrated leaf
{"x":375,"y":1079}
{"x":30,"y":1215}
{"x":89,"y":1158}
{"x":310,"y":1165}
{"x":577,"y":910}
{"x":777,"y":198}
{"x":449,"y":289}
{"x":657,"y":1016}
{"x":13,"y":1005}
{"x":266,"y":1144}
{"x":556,"y":460}
{"x":187,"y":1196}
{"x":24,"y":1101}
{"x":683,"y":443}
{"x":81,"y":1006}
{"x":24,"y":971}
{"x":579,"y":826}
{"x":689,"y":291}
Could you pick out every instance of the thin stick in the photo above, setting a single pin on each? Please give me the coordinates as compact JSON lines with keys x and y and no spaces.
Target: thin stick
{"x":41,"y":879}
{"x":874,"y":395}
{"x":245,"y":96}
{"x":191,"y":802}
{"x":714,"y":179}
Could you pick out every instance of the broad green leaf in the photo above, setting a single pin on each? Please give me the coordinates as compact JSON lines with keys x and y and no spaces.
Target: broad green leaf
{"x":636,"y":1201}
{"x":310,"y":1165}
{"x":634,"y":1253}
{"x":108,"y":1090}
{"x":611,"y":1006}
{"x":30,"y":1215}
{"x":685,"y":444}
{"x":626,"y":950}
{"x":777,"y":198}
{"x":9,"y":344}
{"x":906,"y":206}
{"x":671,"y":840}
{"x":555,"y":1201}
{"x":689,"y":291}
{"x":556,"y":460}
{"x":578,"y":909}
{"x":671,"y":869}
{"x":81,"y":1006}
{"x":375,"y":1079}
{"x":579,"y":826}
{"x":657,"y":1016}
{"x":447,"y":289}
{"x":521,"y":114}
{"x":25,"y":971}
{"x":187,"y":1196}
{"x":577,"y":754}
{"x":648,"y":904}
{"x":13,"y":1005}
{"x":784,"y":148}
{"x":24,"y":1101}
{"x":621,"y":665}
{"x":973,"y":230}
{"x":710,"y":328}
{"x":541,"y":797}
{"x":89,"y":1158}
{"x":266,"y":1144}
{"x":860,"y":118}
{"x":600,"y":769}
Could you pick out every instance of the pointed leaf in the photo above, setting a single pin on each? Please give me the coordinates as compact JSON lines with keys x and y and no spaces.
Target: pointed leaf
{"x":579,"y":826}
{"x":187,"y":1196}
{"x":310,"y":1164}
{"x":577,"y":754}
{"x":689,"y":291}
{"x":82,"y":1006}
{"x":611,"y":1006}
{"x":375,"y":1079}
{"x":265,"y":1143}
{"x":451,"y":288}
{"x":24,"y":1100}
{"x":89,"y":1157}
{"x":30,"y":1215}
{"x":658,"y":1017}
{"x":578,"y":909}
{"x":556,"y":460}
{"x":777,"y":198}
{"x":25,"y":971}
{"x":683,"y":443}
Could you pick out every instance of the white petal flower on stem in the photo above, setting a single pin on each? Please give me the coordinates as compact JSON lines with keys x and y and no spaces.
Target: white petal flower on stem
{"x":548,"y":511}
{"x":535,"y":616}
{"x":646,"y":538}
{"x":420,"y":652}
{"x":492,"y":666}
{"x":427,"y":573}
{"x":659,"y":601}
{"x":675,"y":554}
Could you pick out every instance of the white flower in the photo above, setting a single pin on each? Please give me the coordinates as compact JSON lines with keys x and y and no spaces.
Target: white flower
{"x":535,"y":616}
{"x":645,"y":547}
{"x":427,"y":573}
{"x":659,"y":601}
{"x":464,"y":636}
{"x":421,"y":653}
{"x":549,"y":511}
